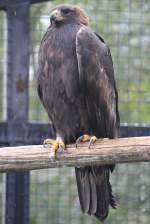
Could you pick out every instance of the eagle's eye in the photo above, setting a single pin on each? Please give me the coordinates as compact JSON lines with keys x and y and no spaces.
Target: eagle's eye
{"x":66,"y":11}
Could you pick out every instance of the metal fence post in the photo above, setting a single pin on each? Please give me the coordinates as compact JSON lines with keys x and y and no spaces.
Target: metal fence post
{"x":17,"y":185}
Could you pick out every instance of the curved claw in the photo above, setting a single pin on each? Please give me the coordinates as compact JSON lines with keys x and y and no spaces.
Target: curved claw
{"x":80,"y":139}
{"x":86,"y":138}
{"x":52,"y":156}
{"x":60,"y":149}
{"x":92,"y":140}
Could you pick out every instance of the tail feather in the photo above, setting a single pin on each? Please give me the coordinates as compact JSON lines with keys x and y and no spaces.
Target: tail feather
{"x":83,"y":189}
{"x":94,"y":189}
{"x":93,"y":195}
{"x":102,"y":193}
{"x":111,"y":197}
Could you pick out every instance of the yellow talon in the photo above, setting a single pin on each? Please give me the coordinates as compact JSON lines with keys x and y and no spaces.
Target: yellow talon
{"x":58,"y":145}
{"x":86,"y":138}
{"x":49,"y":141}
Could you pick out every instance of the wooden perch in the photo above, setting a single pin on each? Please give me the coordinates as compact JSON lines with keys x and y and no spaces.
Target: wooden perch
{"x":104,"y":151}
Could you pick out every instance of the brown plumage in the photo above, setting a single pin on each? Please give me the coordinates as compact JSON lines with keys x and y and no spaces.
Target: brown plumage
{"x":76,"y":86}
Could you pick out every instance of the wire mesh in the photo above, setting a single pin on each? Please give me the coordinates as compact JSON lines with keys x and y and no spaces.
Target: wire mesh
{"x":39,"y":23}
{"x":53,"y":196}
{"x":3,"y":31}
{"x":125,"y":27}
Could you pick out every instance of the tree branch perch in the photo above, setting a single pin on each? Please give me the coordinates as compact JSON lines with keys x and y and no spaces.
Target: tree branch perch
{"x":104,"y":151}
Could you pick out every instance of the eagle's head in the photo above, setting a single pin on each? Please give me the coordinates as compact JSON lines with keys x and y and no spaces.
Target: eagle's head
{"x":65,"y":14}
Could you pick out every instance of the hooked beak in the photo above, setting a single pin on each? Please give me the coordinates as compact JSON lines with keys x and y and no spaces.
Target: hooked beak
{"x":56,"y":16}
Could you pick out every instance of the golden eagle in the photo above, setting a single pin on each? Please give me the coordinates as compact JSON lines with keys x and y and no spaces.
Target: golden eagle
{"x":77,"y":88}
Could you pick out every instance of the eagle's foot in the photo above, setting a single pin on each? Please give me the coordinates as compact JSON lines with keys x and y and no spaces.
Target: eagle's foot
{"x":58,"y":146}
{"x":86,"y":138}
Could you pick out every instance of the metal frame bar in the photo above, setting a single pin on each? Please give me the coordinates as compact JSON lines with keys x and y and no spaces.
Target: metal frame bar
{"x":39,"y":1}
{"x":6,"y":3}
{"x":37,"y":132}
{"x":3,"y":4}
{"x":17,"y":184}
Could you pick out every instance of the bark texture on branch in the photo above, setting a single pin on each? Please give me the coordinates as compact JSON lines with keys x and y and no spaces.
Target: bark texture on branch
{"x":104,"y":151}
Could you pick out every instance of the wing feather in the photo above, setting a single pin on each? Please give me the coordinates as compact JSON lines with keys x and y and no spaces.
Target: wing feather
{"x":96,"y":75}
